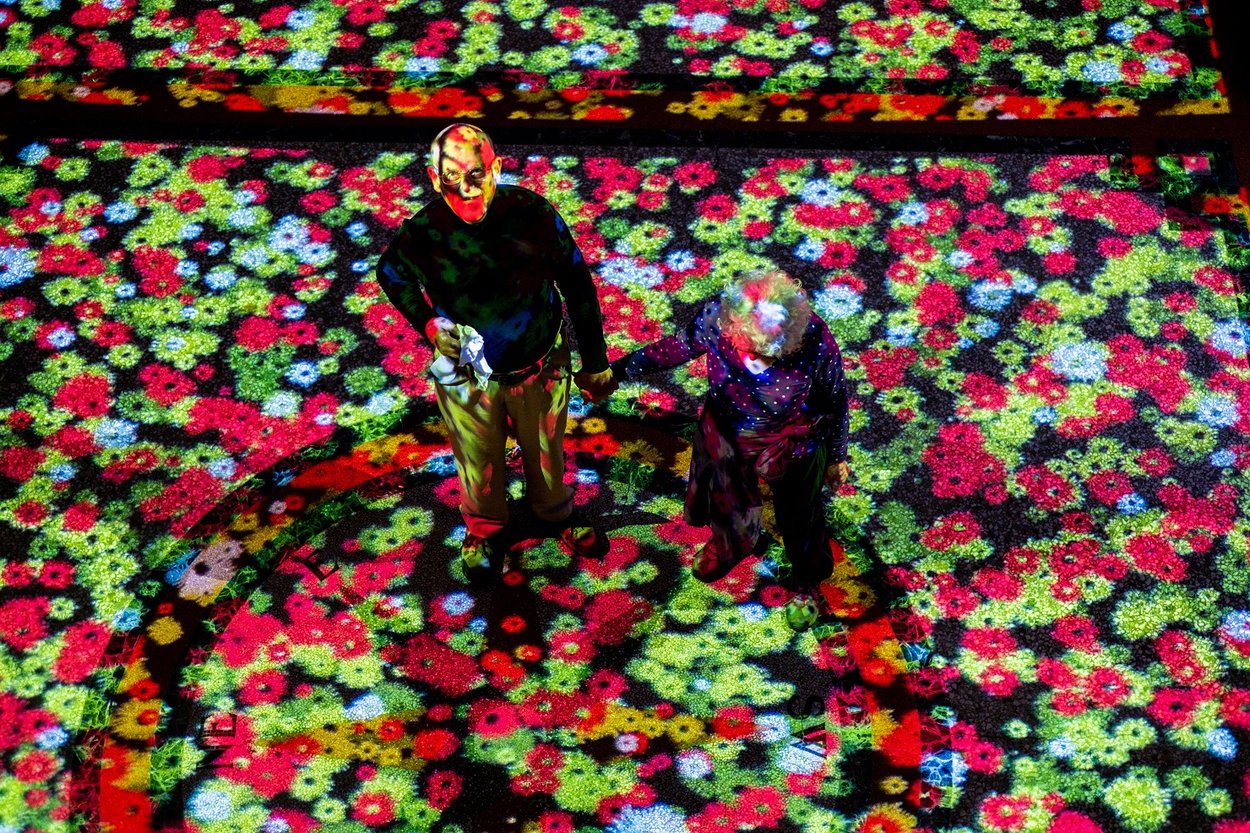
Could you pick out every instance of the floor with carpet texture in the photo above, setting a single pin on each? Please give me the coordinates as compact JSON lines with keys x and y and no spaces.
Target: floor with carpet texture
{"x":229,"y":593}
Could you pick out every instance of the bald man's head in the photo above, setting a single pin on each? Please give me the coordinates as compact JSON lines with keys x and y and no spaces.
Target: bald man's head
{"x":463,"y":169}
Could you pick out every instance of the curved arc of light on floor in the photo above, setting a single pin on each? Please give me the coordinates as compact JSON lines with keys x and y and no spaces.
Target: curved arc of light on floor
{"x":174,"y":624}
{"x":151,"y":657}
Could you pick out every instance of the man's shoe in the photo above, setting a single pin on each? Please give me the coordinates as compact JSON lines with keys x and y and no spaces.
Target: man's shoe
{"x":584,"y":541}
{"x":478,"y":557}
{"x":712,"y":563}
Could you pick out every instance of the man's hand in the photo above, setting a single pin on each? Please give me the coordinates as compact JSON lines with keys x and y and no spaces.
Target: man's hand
{"x":442,"y":334}
{"x":595,"y":386}
{"x":836,"y":474}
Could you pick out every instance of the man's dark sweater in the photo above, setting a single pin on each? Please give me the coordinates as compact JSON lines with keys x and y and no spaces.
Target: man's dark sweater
{"x":499,"y":276}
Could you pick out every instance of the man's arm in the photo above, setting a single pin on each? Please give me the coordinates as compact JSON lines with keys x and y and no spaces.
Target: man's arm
{"x":577,"y":286}
{"x":400,"y":280}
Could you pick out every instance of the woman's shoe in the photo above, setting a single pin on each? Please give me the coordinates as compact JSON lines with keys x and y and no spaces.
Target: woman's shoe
{"x":809,"y":574}
{"x":712,"y":563}
{"x":802,"y":612}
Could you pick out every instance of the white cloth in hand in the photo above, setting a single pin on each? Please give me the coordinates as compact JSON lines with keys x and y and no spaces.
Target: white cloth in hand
{"x":473,"y":353}
{"x":472,"y":356}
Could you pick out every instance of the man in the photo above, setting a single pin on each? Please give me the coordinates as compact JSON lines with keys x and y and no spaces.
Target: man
{"x":492,"y":261}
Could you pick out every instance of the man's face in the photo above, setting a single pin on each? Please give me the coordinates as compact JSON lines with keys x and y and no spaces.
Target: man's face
{"x":466,"y":173}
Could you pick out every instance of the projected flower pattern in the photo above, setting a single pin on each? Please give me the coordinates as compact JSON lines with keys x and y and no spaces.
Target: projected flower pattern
{"x":1126,"y":49}
{"x":1049,"y":445}
{"x":591,"y":693}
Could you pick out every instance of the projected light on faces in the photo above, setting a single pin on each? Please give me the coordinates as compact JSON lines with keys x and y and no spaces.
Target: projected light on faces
{"x":763,"y":315}
{"x":770,"y":316}
{"x":466,"y":173}
{"x":768,"y":319}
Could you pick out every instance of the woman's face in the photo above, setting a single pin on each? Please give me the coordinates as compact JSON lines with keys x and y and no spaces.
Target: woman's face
{"x":747,"y":347}
{"x":765,"y":335}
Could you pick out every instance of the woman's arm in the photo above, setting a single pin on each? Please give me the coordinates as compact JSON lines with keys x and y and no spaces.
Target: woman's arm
{"x":685,"y":345}
{"x":829,"y":400}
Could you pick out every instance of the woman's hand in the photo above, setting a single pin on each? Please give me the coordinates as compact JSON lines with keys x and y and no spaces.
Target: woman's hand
{"x":837,"y":474}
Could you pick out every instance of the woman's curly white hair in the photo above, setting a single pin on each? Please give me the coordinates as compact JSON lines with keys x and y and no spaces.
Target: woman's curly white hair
{"x":764,"y":312}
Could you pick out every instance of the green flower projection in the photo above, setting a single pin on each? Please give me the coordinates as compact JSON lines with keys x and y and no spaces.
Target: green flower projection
{"x":229,"y":597}
{"x":798,"y":59}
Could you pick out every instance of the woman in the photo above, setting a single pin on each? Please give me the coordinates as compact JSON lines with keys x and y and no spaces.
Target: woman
{"x":776,"y":410}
